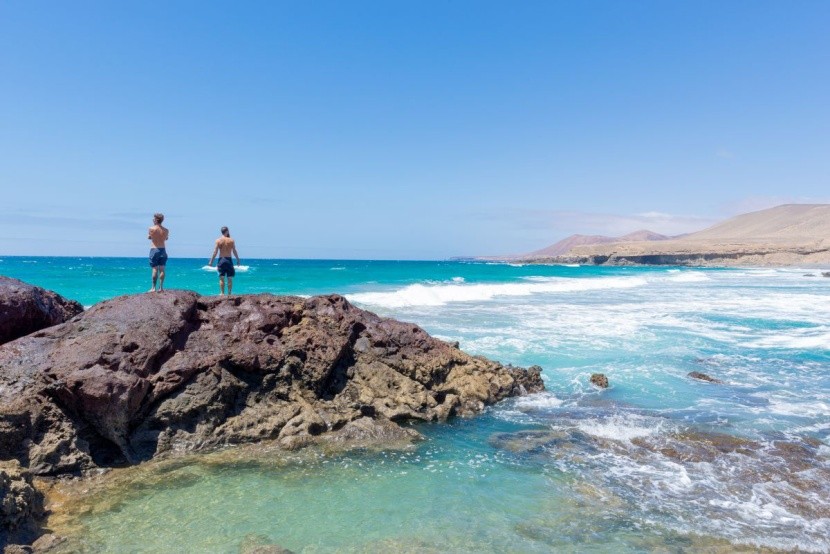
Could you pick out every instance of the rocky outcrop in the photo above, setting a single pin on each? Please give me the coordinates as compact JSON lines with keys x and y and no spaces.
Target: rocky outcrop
{"x":21,"y":505}
{"x":25,"y":309}
{"x":137,"y":376}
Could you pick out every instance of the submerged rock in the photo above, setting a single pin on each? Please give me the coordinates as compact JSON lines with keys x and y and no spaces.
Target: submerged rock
{"x":137,"y":376}
{"x":25,"y":309}
{"x":21,"y":506}
{"x":599,"y":380}
{"x":703,"y":377}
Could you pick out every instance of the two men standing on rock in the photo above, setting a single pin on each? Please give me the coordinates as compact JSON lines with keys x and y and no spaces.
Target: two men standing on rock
{"x":225,"y":246}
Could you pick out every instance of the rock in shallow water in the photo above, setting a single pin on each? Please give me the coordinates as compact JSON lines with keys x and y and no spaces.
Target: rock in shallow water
{"x":25,"y":309}
{"x":140,"y":375}
{"x":599,"y":380}
{"x":21,"y":505}
{"x":703,"y":377}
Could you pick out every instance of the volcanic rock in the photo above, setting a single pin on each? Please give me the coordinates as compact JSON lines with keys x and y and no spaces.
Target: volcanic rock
{"x":599,"y":380}
{"x":21,"y":506}
{"x":137,"y":376}
{"x":703,"y":377}
{"x":25,"y":309}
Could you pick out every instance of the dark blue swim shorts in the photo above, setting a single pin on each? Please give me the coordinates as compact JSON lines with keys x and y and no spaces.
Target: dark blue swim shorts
{"x":225,"y":267}
{"x":158,"y":257}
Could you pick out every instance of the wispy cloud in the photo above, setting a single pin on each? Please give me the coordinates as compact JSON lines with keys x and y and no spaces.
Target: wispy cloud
{"x":52,"y":221}
{"x":563,"y":223}
{"x":724,"y":154}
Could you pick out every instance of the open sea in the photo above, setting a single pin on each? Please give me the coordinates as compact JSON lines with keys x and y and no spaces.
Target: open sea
{"x":658,"y":462}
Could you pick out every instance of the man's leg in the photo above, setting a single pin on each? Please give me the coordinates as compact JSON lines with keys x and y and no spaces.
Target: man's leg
{"x":230,"y":284}
{"x":161,"y":278}
{"x":221,"y":284}
{"x":155,"y":277}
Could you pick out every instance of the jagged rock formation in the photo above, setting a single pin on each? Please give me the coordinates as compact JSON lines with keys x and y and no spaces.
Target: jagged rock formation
{"x":141,"y":375}
{"x":25,"y":309}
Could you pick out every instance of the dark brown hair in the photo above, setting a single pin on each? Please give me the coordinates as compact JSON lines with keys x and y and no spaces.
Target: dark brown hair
{"x":224,"y":231}
{"x":158,"y":218}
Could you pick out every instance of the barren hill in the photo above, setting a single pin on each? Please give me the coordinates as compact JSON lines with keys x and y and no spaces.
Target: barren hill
{"x":565,"y":245}
{"x":791,"y":234}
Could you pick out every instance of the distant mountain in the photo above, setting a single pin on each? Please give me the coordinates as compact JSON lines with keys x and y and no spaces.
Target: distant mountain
{"x":565,"y":245}
{"x":791,"y":234}
{"x":789,"y":223}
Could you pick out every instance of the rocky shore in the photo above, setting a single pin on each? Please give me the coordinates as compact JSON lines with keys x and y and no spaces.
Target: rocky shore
{"x":136,"y":377}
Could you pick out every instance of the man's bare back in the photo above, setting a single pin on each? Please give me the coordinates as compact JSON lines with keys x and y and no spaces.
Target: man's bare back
{"x":158,"y":235}
{"x":226,"y":247}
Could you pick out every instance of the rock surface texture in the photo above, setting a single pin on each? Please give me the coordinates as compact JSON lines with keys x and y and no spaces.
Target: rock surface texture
{"x":21,"y":505}
{"x":25,"y":309}
{"x":137,"y":376}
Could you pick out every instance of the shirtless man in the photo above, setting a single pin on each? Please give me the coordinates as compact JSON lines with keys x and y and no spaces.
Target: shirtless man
{"x":225,"y":245}
{"x":158,"y":254}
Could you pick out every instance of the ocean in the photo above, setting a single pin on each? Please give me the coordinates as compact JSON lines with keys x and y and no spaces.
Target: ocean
{"x":657,"y":462}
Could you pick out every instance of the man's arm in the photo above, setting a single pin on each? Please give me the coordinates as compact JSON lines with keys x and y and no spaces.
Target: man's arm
{"x":215,"y":250}
{"x":235,"y":254}
{"x":166,"y":233}
{"x":150,"y":233}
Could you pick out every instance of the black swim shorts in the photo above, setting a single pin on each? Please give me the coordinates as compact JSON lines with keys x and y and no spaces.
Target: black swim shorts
{"x":225,"y":267}
{"x":158,"y":257}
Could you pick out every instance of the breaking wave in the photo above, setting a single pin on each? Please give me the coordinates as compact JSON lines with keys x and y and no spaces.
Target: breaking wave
{"x":438,"y":295}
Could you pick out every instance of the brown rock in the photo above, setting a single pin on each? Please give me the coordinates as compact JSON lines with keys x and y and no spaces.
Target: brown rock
{"x":136,"y":376}
{"x":703,"y":377}
{"x":21,"y":507}
{"x":599,"y":380}
{"x":25,"y":309}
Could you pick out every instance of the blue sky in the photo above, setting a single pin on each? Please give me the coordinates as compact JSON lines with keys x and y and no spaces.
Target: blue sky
{"x":402,"y":129}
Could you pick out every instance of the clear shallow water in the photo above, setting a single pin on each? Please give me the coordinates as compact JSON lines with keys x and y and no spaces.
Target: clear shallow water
{"x":656,"y":462}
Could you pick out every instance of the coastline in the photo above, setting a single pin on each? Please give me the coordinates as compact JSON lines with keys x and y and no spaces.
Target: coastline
{"x":553,"y":470}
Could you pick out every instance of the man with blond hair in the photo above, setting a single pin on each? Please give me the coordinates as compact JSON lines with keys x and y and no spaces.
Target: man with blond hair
{"x":225,"y":246}
{"x":158,"y":234}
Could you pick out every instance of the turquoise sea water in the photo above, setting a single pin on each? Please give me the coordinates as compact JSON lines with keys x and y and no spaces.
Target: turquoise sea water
{"x":657,"y":462}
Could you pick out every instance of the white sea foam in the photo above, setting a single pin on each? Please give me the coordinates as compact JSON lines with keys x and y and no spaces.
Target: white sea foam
{"x":798,"y":339}
{"x":539,"y":401}
{"x":619,"y":427}
{"x":811,"y":408}
{"x":688,"y":277}
{"x":338,"y":268}
{"x":438,"y":295}
{"x":458,"y":279}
